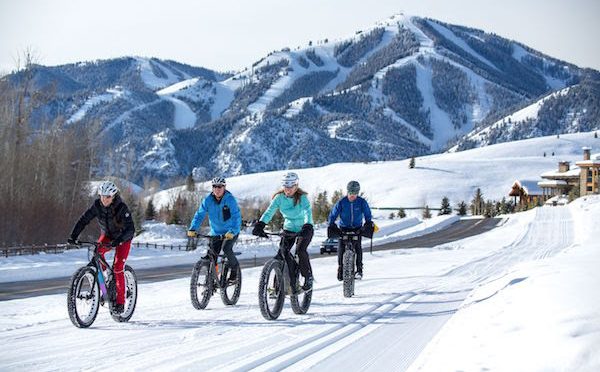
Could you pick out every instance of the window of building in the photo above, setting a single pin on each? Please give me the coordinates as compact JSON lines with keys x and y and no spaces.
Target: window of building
{"x":589,"y":188}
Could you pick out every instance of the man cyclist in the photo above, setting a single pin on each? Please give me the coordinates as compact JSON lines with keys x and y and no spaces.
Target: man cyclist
{"x":296,"y":210}
{"x":225,"y":222}
{"x":351,"y":210}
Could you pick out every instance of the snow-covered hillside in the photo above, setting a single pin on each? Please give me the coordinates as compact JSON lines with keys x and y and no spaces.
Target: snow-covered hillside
{"x":454,"y":175}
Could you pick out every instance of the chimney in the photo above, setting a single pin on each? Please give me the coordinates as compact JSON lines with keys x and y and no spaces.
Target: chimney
{"x":563,"y":166}
{"x":586,"y":153}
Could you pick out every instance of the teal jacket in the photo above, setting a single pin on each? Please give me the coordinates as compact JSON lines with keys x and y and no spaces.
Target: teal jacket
{"x":224,"y":216}
{"x":295,"y":215}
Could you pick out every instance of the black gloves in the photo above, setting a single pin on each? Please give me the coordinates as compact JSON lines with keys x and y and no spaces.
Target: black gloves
{"x":307,"y":231}
{"x":72,"y":241}
{"x":259,"y":230}
{"x":367,"y":229}
{"x":115,"y":243}
{"x":333,"y":231}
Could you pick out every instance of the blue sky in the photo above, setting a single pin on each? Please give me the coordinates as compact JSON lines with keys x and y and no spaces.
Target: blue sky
{"x":231,"y":34}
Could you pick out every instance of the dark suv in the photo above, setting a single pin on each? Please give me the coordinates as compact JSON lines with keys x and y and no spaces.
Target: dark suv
{"x":329,"y":245}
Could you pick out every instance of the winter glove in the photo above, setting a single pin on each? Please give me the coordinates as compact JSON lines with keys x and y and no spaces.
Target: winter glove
{"x":259,"y":230}
{"x":307,"y":230}
{"x":228,"y":235}
{"x":333,"y":231}
{"x":191,"y":233}
{"x":115,"y":243}
{"x":72,"y":241}
{"x":368,"y":229}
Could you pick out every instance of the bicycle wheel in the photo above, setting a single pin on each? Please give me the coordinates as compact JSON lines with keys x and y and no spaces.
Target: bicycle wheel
{"x":271,"y":291}
{"x":83,"y":297}
{"x":301,"y":302}
{"x":230,"y":292}
{"x":201,"y":285}
{"x":130,"y":297}
{"x":348,"y":272}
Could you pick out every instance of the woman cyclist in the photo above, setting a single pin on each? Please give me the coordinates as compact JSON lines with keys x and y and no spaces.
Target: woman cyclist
{"x":295,"y":208}
{"x":117,"y":229}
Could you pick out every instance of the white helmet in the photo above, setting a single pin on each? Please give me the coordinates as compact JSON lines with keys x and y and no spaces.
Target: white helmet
{"x":218,"y":181}
{"x":107,"y":188}
{"x":290,"y":179}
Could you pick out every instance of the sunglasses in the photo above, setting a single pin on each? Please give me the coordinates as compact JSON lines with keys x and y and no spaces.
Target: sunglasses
{"x":218,"y":186}
{"x":107,"y":196}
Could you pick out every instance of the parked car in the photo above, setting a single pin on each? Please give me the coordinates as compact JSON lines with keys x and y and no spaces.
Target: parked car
{"x":329,"y":245}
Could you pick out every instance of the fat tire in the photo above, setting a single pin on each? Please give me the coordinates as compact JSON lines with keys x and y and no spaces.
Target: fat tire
{"x":131,"y":293}
{"x":230,"y":293}
{"x":85,"y":273}
{"x":301,"y":302}
{"x":201,"y":300}
{"x":275,"y":266}
{"x":348,"y":273}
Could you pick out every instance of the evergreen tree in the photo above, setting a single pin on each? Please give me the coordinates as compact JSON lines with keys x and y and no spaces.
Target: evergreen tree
{"x":401,"y":213}
{"x":337,"y":195}
{"x":477,"y":203}
{"x":391,"y":217}
{"x":426,"y":212}
{"x":595,"y":134}
{"x":462,"y":208}
{"x":321,"y":207}
{"x":190,"y":185}
{"x":150,"y":211}
{"x":411,"y":164}
{"x":445,"y":208}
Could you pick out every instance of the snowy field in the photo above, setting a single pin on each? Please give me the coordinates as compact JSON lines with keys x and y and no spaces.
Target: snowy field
{"x":522,"y":297}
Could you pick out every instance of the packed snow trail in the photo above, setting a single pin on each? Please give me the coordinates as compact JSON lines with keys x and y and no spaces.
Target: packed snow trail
{"x":405,"y":299}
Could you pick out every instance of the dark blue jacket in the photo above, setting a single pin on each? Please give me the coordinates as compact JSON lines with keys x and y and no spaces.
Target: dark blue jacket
{"x":351,"y":214}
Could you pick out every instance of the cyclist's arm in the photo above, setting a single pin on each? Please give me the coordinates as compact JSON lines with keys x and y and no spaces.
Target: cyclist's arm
{"x":367,"y":211}
{"x":268,"y":215}
{"x":199,"y":216}
{"x":129,"y":227}
{"x":236,"y":217}
{"x":305,"y":204}
{"x":335,"y":212}
{"x":84,"y":220}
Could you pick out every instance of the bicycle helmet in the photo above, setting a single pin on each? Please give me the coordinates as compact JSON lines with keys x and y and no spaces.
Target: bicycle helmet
{"x":353,"y":187}
{"x":219,"y":181}
{"x":108,"y":188}
{"x":290,"y":179}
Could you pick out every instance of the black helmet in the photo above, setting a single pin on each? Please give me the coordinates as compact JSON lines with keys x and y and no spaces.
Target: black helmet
{"x":353,"y":187}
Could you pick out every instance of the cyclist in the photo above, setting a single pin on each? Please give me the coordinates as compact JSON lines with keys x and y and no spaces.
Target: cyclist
{"x":117,"y":229}
{"x":225,"y":222}
{"x":351,"y":210}
{"x":295,"y":208}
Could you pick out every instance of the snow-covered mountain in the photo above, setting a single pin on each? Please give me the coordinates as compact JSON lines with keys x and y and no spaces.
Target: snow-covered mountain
{"x":406,"y":86}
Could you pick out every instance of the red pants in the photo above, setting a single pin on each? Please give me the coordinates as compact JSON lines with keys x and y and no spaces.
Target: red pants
{"x":121,"y":253}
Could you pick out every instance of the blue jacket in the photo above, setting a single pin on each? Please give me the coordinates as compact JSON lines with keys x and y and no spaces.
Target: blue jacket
{"x":224,"y":216}
{"x":351,"y":213}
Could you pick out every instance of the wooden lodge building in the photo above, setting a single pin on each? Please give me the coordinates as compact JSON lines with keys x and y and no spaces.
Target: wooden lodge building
{"x":585,"y":177}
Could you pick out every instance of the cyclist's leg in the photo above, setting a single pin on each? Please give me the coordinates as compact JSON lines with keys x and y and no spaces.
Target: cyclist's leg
{"x":233,"y":262}
{"x":214,"y":246}
{"x":288,"y":243}
{"x":302,"y":251}
{"x":103,"y":239}
{"x":359,"y":255}
{"x":121,"y":254}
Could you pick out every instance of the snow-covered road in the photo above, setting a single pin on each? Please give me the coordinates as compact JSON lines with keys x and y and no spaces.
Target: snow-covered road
{"x":405,"y":299}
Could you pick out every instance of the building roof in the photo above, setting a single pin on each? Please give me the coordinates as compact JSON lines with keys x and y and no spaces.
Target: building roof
{"x":552,"y":183}
{"x":593,"y":162}
{"x":571,"y":173}
{"x":530,"y":187}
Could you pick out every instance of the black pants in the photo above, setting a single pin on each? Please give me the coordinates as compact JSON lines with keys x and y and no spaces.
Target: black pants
{"x":216,"y":242}
{"x":357,"y":249}
{"x":301,"y":251}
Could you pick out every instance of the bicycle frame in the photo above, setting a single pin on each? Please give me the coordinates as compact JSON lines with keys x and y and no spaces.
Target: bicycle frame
{"x":282,"y":252}
{"x":214,"y":259}
{"x":97,"y":261}
{"x":350,"y":239}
